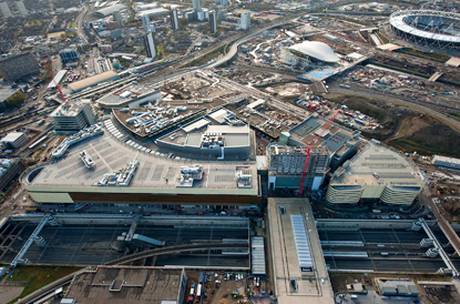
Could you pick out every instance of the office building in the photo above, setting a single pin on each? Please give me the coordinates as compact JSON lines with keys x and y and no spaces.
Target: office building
{"x":196,"y":5}
{"x":69,"y":55}
{"x":73,"y":116}
{"x":286,"y":168}
{"x":376,"y":173}
{"x":13,"y":140}
{"x":15,"y":67}
{"x":213,"y":22}
{"x":5,"y":10}
{"x":149,"y":41}
{"x":174,"y":16}
{"x":9,"y":169}
{"x":245,"y":20}
{"x":149,"y":44}
{"x":20,"y":7}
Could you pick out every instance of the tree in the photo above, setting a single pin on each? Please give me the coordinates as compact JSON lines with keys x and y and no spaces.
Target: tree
{"x":16,"y":100}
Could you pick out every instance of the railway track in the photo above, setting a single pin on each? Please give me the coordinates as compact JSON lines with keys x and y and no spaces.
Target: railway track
{"x":64,"y":281}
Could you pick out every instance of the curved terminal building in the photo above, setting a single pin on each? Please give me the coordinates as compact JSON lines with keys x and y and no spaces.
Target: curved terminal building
{"x":376,"y":173}
{"x":428,"y":27}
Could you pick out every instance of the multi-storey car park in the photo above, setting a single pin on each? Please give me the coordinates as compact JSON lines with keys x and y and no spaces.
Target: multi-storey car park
{"x":428,"y":27}
{"x":376,"y":173}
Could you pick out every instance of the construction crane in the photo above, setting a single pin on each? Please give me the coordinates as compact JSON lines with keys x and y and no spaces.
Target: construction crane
{"x":306,"y":165}
{"x":305,"y":170}
{"x":328,"y":123}
{"x":61,"y":94}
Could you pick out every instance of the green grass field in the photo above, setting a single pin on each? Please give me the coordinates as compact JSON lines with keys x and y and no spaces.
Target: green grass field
{"x":35,"y":277}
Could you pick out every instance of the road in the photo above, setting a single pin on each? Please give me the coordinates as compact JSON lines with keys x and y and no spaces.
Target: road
{"x":79,"y":20}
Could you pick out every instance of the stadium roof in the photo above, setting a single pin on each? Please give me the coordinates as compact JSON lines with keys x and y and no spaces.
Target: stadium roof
{"x":398,"y":21}
{"x":316,"y":49}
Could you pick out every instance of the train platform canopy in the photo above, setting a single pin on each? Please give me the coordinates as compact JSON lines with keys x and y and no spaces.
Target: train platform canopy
{"x":298,"y":263}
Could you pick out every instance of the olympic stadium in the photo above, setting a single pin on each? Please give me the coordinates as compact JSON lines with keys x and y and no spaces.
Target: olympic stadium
{"x":428,"y":27}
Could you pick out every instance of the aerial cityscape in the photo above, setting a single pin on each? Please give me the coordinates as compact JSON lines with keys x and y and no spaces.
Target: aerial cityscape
{"x":229,"y":151}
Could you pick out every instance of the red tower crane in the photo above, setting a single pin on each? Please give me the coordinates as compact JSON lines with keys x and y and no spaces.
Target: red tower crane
{"x":61,"y":94}
{"x":305,"y":170}
{"x":306,"y":165}
{"x":328,"y":123}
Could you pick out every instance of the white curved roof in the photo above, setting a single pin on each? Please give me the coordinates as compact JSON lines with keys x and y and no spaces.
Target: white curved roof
{"x":316,"y":49}
{"x":397,"y":21}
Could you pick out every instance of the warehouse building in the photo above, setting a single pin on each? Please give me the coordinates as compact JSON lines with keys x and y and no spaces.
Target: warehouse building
{"x":375,"y":174}
{"x":446,"y":162}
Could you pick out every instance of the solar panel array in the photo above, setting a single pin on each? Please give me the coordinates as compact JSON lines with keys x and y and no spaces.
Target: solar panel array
{"x":301,"y":243}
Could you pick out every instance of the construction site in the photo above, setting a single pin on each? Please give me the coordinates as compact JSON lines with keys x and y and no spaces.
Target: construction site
{"x":232,"y":153}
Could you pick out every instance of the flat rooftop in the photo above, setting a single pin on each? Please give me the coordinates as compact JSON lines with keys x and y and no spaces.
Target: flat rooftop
{"x":156,"y":173}
{"x":126,"y":94}
{"x":68,"y":109}
{"x":127,"y":285}
{"x":91,"y":81}
{"x":376,"y":165}
{"x":311,"y":286}
{"x":233,"y":136}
